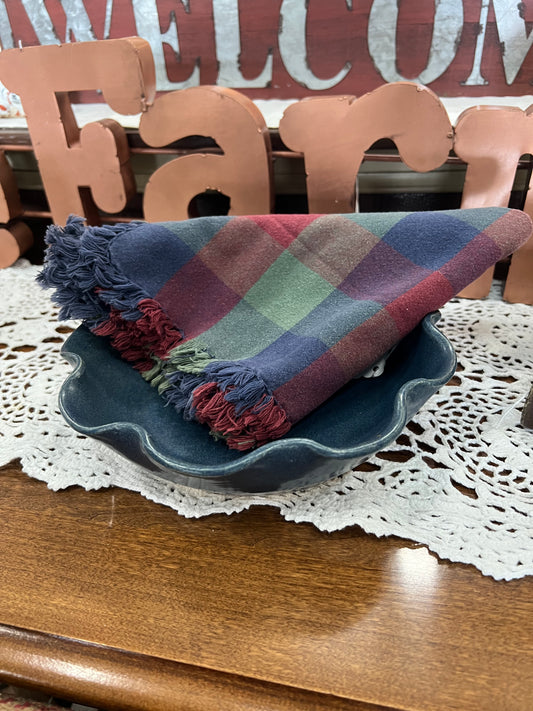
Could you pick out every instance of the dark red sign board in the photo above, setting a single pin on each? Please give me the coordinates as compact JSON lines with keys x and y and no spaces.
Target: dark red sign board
{"x":296,"y":48}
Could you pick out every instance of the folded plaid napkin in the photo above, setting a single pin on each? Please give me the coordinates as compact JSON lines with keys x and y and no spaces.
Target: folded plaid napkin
{"x":249,"y":323}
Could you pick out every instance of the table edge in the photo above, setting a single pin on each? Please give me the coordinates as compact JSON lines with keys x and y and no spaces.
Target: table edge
{"x":119,"y":680}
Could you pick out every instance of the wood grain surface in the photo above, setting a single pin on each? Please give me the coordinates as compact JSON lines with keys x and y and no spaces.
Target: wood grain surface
{"x":110,"y":590}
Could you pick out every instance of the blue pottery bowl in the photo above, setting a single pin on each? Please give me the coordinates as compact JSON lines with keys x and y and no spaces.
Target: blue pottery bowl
{"x":106,"y":399}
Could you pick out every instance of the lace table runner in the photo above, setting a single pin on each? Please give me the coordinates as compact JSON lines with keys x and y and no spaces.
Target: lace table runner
{"x":463,"y":486}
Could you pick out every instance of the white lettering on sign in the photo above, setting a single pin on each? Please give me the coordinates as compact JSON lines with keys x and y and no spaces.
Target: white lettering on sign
{"x":41,"y":22}
{"x":147,"y":24}
{"x":77,"y":21}
{"x":515,"y":39}
{"x":476,"y":78}
{"x":447,"y":29}
{"x":6,"y":34}
{"x":228,"y":48}
{"x":293,"y":47}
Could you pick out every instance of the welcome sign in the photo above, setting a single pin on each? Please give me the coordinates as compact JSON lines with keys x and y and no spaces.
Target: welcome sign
{"x":294,"y":48}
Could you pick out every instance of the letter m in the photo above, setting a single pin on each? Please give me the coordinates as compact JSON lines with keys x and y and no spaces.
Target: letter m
{"x":513,"y":35}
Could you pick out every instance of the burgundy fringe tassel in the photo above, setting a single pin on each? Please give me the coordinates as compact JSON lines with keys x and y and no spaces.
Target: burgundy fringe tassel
{"x":252,"y":428}
{"x":153,"y":332}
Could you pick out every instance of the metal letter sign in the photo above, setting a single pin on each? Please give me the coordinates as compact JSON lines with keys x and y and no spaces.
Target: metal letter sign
{"x":293,"y":48}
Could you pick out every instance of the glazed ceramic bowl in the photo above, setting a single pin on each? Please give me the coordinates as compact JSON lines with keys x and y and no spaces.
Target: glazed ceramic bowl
{"x":106,"y":399}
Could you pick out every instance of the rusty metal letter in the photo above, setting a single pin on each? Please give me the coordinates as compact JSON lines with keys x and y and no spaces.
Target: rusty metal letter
{"x":75,"y":163}
{"x":243,"y":172}
{"x":491,"y":140}
{"x":334,"y":132}
{"x":15,"y":235}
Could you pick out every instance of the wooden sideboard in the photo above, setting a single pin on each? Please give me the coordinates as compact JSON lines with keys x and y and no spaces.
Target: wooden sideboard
{"x":114,"y":601}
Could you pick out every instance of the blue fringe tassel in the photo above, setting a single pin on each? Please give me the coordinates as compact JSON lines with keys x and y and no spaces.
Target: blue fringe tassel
{"x":77,"y":262}
{"x":180,"y":395}
{"x":242,"y":385}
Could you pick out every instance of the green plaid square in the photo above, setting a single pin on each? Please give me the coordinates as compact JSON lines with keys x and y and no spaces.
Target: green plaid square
{"x":288,"y":291}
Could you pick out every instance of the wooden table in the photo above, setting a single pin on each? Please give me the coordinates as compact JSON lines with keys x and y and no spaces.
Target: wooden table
{"x":111,"y":600}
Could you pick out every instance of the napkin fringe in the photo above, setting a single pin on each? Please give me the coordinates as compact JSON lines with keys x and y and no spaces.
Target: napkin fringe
{"x":242,"y":385}
{"x":254,"y":427}
{"x":152,"y":334}
{"x":79,"y":267}
{"x":228,"y":396}
{"x":236,"y":402}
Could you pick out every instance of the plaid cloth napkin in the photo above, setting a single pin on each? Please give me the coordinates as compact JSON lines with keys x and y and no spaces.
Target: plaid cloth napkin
{"x":249,"y":323}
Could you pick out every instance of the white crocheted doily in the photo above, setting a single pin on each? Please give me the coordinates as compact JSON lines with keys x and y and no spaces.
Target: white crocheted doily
{"x":463,"y":487}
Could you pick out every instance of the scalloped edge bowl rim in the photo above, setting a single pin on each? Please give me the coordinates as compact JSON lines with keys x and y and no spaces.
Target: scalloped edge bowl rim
{"x":398,"y":421}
